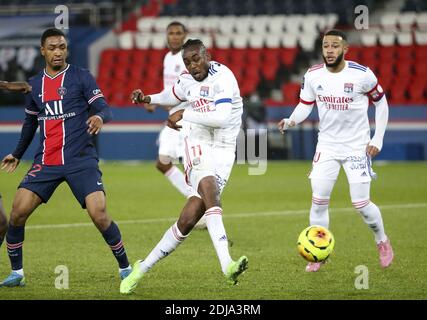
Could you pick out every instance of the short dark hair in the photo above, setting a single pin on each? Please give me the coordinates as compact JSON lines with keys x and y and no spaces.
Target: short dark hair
{"x":195,"y":43}
{"x":336,"y":32}
{"x":52,"y":32}
{"x":176,"y":23}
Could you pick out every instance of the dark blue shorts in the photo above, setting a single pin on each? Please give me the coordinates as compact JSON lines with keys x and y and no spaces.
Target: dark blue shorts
{"x":83,"y":178}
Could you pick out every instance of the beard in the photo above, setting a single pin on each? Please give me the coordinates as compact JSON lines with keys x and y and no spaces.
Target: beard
{"x":337,"y":61}
{"x":57,"y":67}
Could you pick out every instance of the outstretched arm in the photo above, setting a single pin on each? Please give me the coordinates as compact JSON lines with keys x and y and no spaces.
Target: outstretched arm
{"x":301,"y":112}
{"x":21,"y":86}
{"x":164,"y":98}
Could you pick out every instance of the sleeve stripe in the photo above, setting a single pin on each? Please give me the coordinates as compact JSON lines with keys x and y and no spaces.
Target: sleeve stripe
{"x":173,"y":91}
{"x":34,"y":113}
{"x":306,"y":102}
{"x":372,"y":89}
{"x":224,"y":100}
{"x":99,"y":95}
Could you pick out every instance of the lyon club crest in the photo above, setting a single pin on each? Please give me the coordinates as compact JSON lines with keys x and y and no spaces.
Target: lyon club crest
{"x":204,"y":91}
{"x":348,"y":87}
{"x":62,"y":91}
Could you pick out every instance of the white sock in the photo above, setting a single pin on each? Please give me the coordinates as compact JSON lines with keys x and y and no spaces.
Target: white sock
{"x":219,"y":237}
{"x":170,"y":241}
{"x":177,"y":178}
{"x":319,"y":212}
{"x":20,"y":272}
{"x":371,"y":214}
{"x":321,"y":193}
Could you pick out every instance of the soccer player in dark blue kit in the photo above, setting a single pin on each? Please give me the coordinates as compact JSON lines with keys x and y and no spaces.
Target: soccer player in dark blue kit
{"x":20,"y":86}
{"x":68,"y":106}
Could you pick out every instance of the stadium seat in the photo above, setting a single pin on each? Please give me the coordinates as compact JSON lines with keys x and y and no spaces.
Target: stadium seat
{"x":369,"y":39}
{"x":416,"y":92}
{"x":288,"y":56}
{"x":290,"y":93}
{"x":406,"y":21}
{"x":388,"y":21}
{"x":404,"y":53}
{"x":404,"y":38}
{"x":387,"y":38}
{"x":145,"y":24}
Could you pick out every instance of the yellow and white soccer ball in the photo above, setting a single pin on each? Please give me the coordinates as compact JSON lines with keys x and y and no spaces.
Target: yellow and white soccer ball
{"x":315,"y":243}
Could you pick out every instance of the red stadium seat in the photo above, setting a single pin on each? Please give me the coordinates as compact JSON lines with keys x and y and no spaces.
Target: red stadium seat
{"x":269,"y":70}
{"x":291,"y":92}
{"x":288,"y":55}
{"x":271,"y":54}
{"x":354,"y":53}
{"x":403,"y":69}
{"x":420,"y":68}
{"x":387,"y":54}
{"x":397,"y":94}
{"x":254,"y":56}
{"x":417,"y":92}
{"x":221,"y":55}
{"x":405,"y":53}
{"x":385,"y":71}
{"x":420,"y":53}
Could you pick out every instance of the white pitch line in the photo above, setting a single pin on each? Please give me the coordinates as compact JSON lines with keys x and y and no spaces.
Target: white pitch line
{"x":227,"y":216}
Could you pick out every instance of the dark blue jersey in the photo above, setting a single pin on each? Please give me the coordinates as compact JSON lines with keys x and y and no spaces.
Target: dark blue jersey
{"x":61,"y":105}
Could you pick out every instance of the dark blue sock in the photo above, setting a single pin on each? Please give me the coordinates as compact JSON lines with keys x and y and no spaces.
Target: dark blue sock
{"x":14,"y":242}
{"x":114,"y":239}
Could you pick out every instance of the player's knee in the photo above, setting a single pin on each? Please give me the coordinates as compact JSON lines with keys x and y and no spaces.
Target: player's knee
{"x":359,"y":205}
{"x":3,"y":224}
{"x":186,"y":224}
{"x":19,"y":214}
{"x":101,"y":220}
{"x":209,"y":191}
{"x":163,"y":165}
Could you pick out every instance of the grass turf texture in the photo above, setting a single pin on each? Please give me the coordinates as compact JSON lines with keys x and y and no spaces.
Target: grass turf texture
{"x":263,"y":216}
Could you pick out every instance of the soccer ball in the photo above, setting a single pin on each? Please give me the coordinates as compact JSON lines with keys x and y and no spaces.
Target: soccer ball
{"x":315,"y":243}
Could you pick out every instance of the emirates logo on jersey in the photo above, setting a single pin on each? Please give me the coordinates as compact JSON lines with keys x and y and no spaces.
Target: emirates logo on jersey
{"x":201,"y":105}
{"x":335,"y":103}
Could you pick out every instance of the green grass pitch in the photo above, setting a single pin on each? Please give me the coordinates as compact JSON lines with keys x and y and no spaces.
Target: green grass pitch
{"x":263,"y":216}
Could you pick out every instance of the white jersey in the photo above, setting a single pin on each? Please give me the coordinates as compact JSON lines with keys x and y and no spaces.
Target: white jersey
{"x":220,"y":86}
{"x":173,"y":66}
{"x":342,"y":102}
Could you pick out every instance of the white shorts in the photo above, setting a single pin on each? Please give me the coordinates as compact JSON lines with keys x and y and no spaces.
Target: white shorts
{"x":171,"y":143}
{"x":204,"y":159}
{"x":326,"y":166}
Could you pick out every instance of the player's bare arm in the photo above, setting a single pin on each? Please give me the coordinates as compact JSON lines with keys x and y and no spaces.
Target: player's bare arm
{"x":20,"y":86}
{"x":174,"y":118}
{"x":9,"y":163}
{"x":285,"y":124}
{"x":372,"y":151}
{"x":95,"y":124}
{"x":139,"y":97}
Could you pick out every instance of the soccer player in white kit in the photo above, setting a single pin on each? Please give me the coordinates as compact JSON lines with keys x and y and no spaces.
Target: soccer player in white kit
{"x":341,"y":90}
{"x":171,"y":142}
{"x":215,"y":116}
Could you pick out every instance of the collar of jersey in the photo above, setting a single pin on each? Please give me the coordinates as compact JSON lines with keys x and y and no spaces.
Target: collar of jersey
{"x":47,"y":75}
